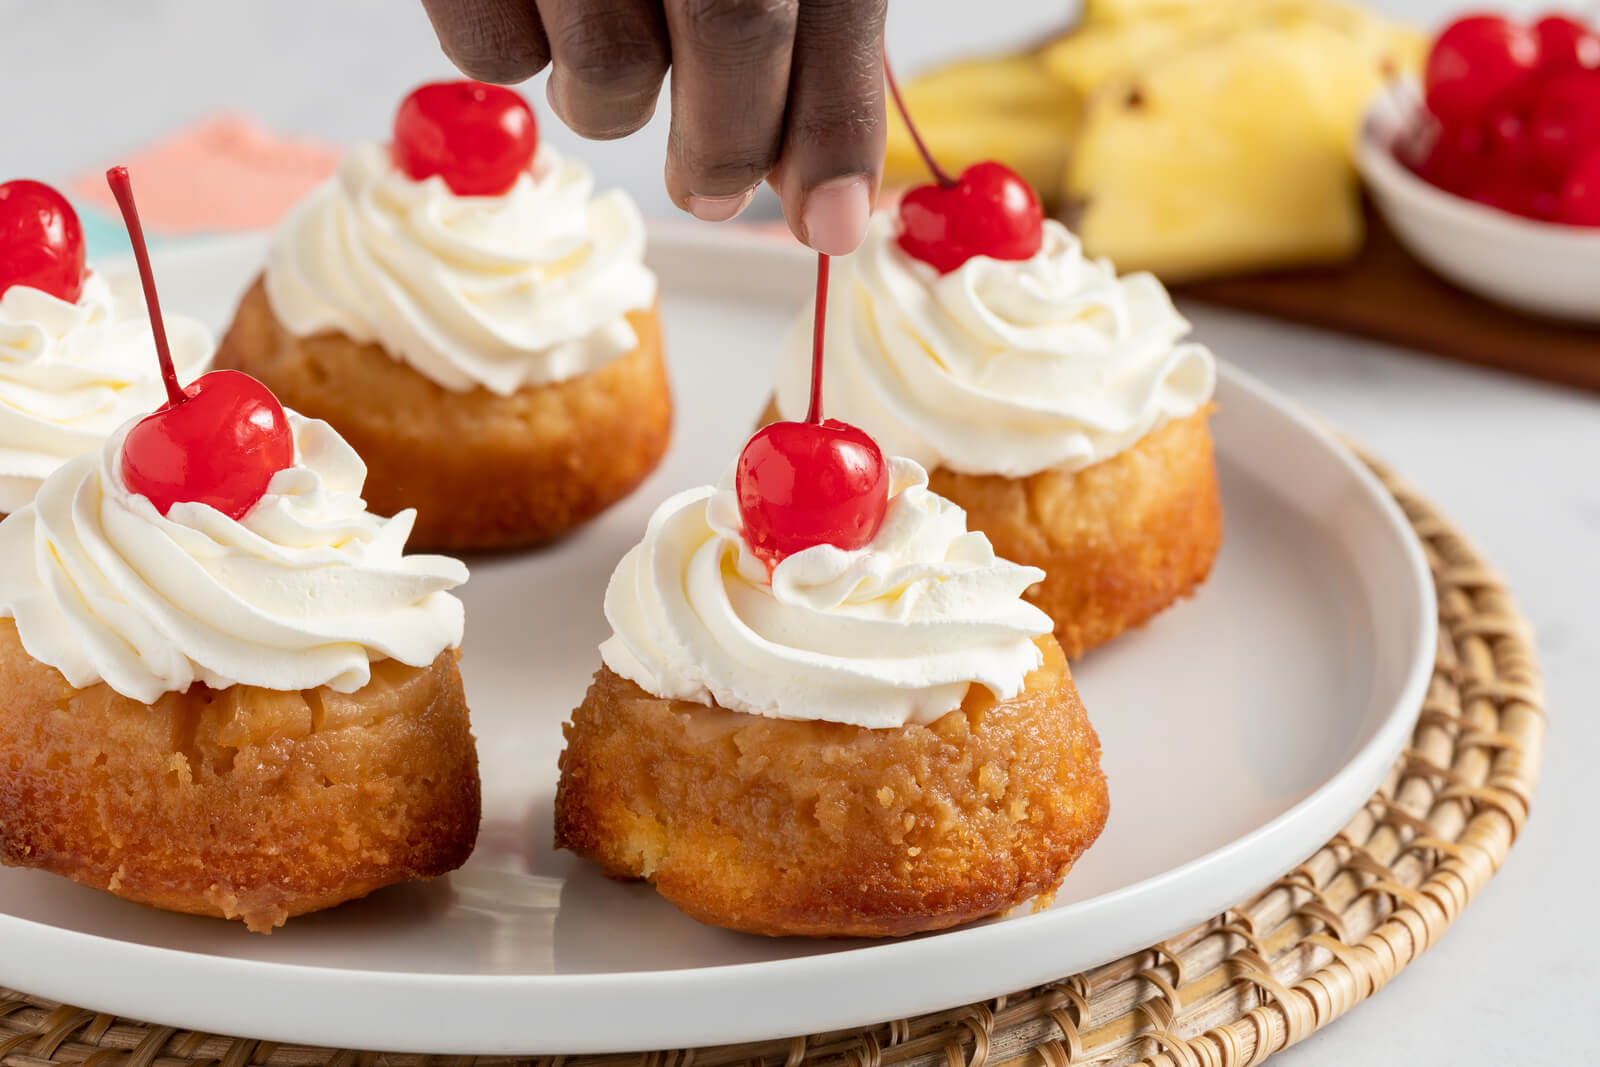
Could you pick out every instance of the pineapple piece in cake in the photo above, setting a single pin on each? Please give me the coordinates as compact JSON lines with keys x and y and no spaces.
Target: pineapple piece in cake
{"x":1233,"y":153}
{"x":1009,"y":108}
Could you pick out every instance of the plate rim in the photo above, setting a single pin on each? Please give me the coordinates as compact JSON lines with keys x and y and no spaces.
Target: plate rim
{"x":371,"y":997}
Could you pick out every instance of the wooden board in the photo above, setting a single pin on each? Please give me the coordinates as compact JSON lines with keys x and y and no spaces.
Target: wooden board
{"x":1387,"y":295}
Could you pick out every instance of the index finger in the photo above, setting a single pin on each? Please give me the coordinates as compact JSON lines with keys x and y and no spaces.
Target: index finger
{"x":501,"y":41}
{"x":832,"y":158}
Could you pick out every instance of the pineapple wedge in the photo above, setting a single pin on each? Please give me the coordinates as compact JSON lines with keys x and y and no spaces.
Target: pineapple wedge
{"x":1215,"y":160}
{"x":1118,"y":42}
{"x":1095,"y":11}
{"x":1232,"y":152}
{"x":1119,"y":37}
{"x":1009,"y":108}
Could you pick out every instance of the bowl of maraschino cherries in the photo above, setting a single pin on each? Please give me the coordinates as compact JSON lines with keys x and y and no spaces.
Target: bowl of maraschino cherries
{"x":1489,"y":172}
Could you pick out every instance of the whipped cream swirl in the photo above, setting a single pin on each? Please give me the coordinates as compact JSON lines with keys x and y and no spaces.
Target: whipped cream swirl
{"x":71,"y":373}
{"x":307,"y":589}
{"x":999,"y":367}
{"x":526,"y":288}
{"x":885,"y":635}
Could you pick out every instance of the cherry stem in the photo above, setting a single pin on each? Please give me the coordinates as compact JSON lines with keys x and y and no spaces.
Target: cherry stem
{"x":122,"y":189}
{"x":818,"y":328}
{"x":940,"y":175}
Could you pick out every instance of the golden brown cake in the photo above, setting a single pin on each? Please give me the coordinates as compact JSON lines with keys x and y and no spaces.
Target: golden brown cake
{"x":1119,"y":541}
{"x":483,"y":470}
{"x":781,"y":826}
{"x":243,"y":803}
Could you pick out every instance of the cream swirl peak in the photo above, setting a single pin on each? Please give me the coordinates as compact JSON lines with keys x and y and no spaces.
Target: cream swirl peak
{"x":526,"y":288}
{"x":72,"y":373}
{"x":998,"y":367}
{"x":881,"y":636}
{"x":307,"y":589}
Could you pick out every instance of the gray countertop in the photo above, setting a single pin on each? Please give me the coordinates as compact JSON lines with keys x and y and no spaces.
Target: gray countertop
{"x":1513,"y":463}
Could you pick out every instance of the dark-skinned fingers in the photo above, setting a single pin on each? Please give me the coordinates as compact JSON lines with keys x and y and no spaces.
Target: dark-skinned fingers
{"x":730,"y":81}
{"x":832,"y":157}
{"x":499,"y":41}
{"x":607,"y":58}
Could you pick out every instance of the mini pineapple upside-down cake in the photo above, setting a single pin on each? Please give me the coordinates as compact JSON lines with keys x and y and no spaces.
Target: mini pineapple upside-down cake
{"x":825,"y":709}
{"x":229,"y":692}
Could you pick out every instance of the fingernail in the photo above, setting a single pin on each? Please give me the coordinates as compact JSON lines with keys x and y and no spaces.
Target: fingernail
{"x":720,"y":208}
{"x":835,"y":215}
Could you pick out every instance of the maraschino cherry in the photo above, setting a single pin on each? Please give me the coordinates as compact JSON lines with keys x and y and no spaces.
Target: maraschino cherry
{"x":1566,"y":44}
{"x":1477,"y":60}
{"x":218,"y":442}
{"x":802,"y":484}
{"x":988,"y":211}
{"x":476,"y":137}
{"x":1580,"y":199}
{"x":41,"y":241}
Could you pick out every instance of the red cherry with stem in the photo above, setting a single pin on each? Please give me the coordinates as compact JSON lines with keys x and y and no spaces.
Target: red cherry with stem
{"x":218,"y":442}
{"x":220,"y":446}
{"x":802,"y":484}
{"x":988,"y":211}
{"x":41,"y":241}
{"x":1475,"y":61}
{"x":477,"y":137}
{"x":1566,"y":44}
{"x":1580,"y":197}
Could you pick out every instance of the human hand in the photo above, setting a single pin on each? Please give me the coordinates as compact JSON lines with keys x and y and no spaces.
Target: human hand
{"x":784,"y":91}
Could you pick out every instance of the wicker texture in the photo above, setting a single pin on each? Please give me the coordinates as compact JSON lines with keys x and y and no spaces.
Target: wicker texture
{"x":1228,"y":993}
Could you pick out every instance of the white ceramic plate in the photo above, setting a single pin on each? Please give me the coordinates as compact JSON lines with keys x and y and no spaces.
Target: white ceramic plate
{"x":1241,"y":730}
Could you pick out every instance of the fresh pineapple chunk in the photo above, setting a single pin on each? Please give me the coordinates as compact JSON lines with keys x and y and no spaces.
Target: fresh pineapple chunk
{"x":1120,"y":38}
{"x":1130,"y":10}
{"x":1008,"y":108}
{"x":1218,"y":159}
{"x":1088,"y":57}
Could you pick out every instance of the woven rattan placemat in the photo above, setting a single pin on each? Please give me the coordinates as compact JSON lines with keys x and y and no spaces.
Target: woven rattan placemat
{"x":1230,"y":992}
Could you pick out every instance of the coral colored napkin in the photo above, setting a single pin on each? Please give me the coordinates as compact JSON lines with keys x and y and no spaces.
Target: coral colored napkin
{"x":225,"y":174}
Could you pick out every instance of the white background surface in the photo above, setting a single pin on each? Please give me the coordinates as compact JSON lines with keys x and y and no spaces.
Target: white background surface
{"x":1514,"y":463}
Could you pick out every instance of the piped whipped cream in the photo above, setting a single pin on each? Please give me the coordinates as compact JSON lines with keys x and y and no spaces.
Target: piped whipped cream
{"x":307,"y":589}
{"x":999,"y":367}
{"x":881,"y":636}
{"x":526,"y":288}
{"x":72,"y":373}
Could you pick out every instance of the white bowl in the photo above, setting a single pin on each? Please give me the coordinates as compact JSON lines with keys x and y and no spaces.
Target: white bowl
{"x":1544,"y":267}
